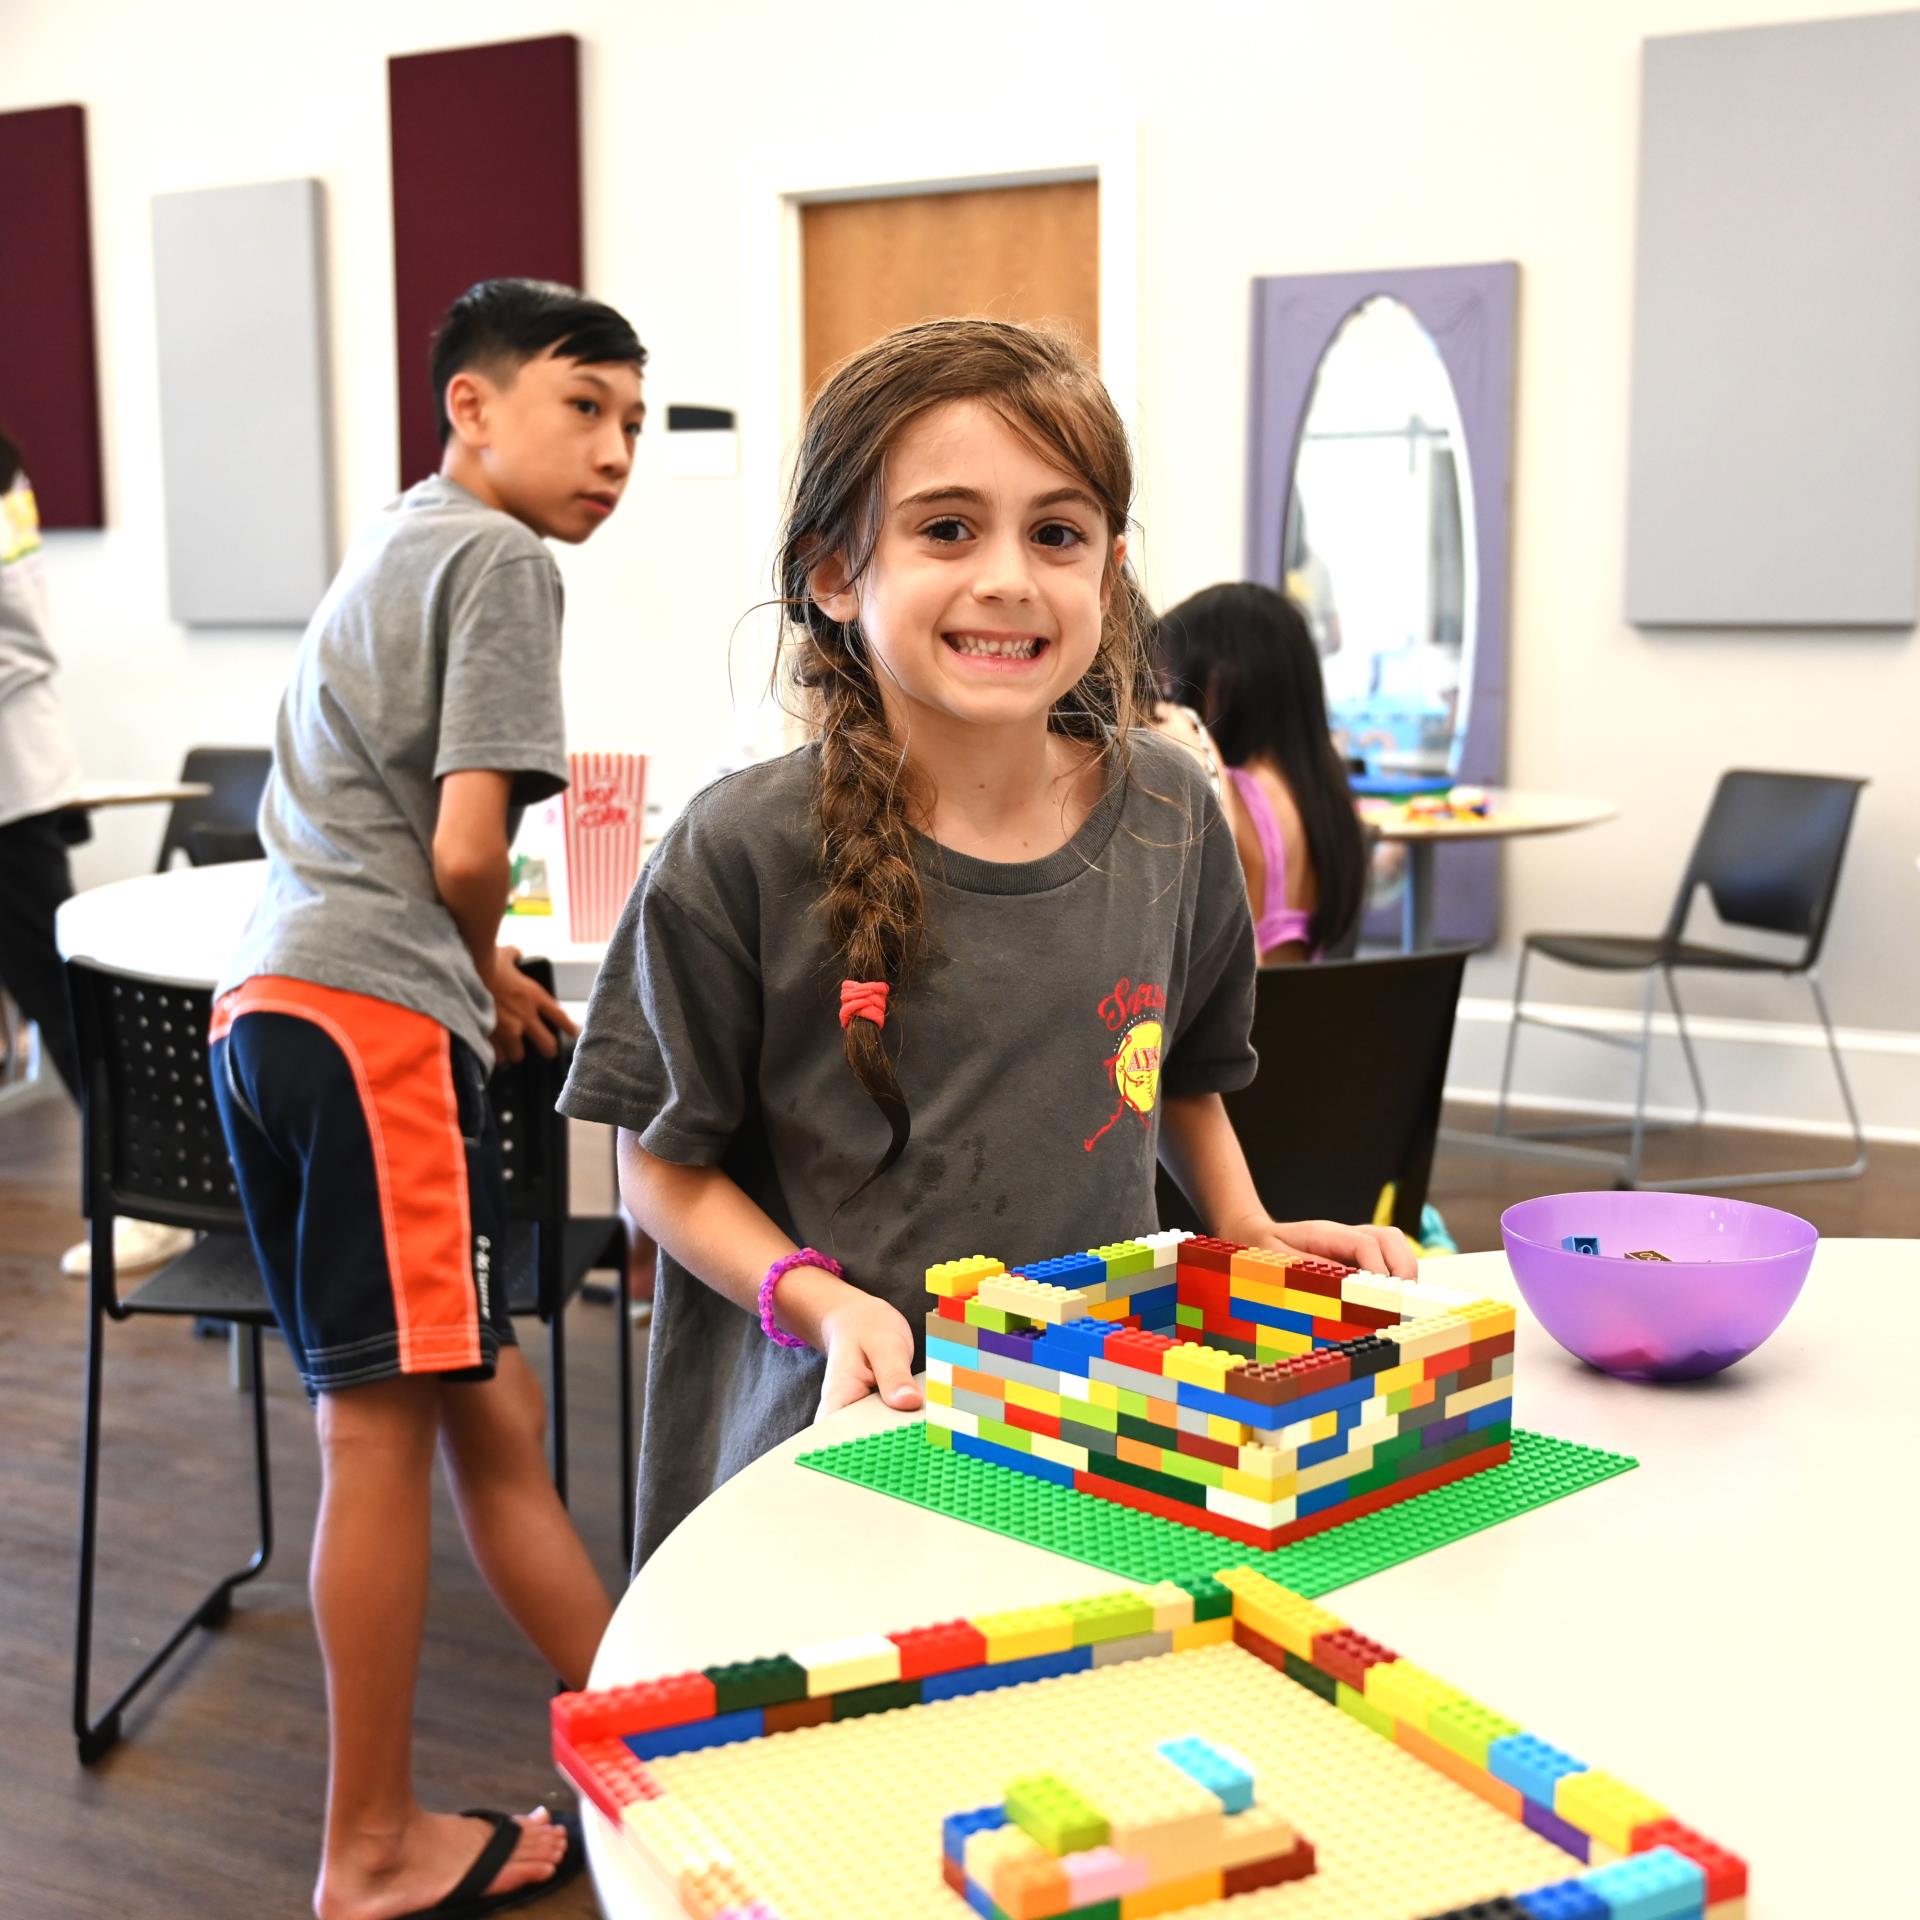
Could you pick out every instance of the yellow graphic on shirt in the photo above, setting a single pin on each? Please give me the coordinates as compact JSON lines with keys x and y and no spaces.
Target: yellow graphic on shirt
{"x":19,"y":524}
{"x":1132,"y":1013}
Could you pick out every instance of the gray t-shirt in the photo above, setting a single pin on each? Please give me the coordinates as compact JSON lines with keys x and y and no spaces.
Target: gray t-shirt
{"x":39,"y":768}
{"x":435,"y":651}
{"x":1060,"y":999}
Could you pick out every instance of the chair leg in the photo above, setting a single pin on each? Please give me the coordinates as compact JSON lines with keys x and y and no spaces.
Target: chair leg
{"x":1630,"y":1173}
{"x":623,"y":1350}
{"x":1686,"y":1047}
{"x":95,"y":1737}
{"x":1792,"y":1176}
{"x":1513,"y":1040}
{"x":557,"y":1376}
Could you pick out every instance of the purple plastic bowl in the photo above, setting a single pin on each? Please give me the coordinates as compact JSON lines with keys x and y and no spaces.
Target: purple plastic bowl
{"x":1732,"y":1271}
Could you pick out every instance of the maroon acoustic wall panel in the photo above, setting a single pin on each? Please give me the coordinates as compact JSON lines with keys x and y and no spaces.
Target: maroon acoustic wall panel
{"x":49,"y":394}
{"x":486,"y":182}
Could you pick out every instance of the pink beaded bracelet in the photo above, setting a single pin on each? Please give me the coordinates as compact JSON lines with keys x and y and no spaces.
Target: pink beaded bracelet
{"x":806,"y":1257}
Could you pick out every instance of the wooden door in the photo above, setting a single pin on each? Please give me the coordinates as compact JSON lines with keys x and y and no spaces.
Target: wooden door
{"x":1013,"y":253}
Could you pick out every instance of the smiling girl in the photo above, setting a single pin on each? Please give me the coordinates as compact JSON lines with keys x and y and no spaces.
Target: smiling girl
{"x":947,"y":979}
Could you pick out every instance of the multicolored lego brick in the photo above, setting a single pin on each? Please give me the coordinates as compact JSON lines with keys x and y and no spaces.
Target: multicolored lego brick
{"x":1629,"y":1857}
{"x":1255,"y":1395}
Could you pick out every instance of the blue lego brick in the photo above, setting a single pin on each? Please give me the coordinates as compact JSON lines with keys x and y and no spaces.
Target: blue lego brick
{"x":1522,"y":1760}
{"x":1071,"y":1347}
{"x":1315,"y":1451}
{"x":1490,"y":1415}
{"x":1321,"y":1498}
{"x":1049,"y":1470}
{"x":1068,"y":1270}
{"x":1327,"y":1400}
{"x":957,"y":1828}
{"x":1262,"y":1315}
{"x":1658,"y":1885}
{"x":981,"y":1901}
{"x":749,"y":1723}
{"x":954,"y":1355}
{"x":1228,"y":1406}
{"x":1009,"y":1673}
{"x":1156,"y":1303}
{"x":1564,"y":1900}
{"x":1223,"y":1775}
{"x":1581,"y":1243}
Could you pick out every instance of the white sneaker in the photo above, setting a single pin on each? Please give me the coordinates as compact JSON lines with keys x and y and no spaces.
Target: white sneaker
{"x":137,"y":1245}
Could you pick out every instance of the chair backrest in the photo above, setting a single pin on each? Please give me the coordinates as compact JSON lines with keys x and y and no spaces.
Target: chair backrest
{"x":153,"y":1147}
{"x":533,"y":1131}
{"x":221,"y":825}
{"x":1353,"y":1062}
{"x":1769,"y":854}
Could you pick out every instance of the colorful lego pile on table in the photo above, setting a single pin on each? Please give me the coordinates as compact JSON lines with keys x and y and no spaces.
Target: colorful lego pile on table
{"x":1638,"y":1861}
{"x":1260,"y":1396}
{"x":1167,"y":1826}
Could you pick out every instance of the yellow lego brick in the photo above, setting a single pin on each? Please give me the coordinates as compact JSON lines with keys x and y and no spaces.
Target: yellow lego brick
{"x":1341,"y":1467}
{"x":1172,"y":1606}
{"x":1259,"y":1486}
{"x":960,"y":1279}
{"x":1350,"y":1700}
{"x":1172,"y":1896}
{"x":1201,"y":1366}
{"x":1606,"y":1808}
{"x":1256,"y":1834}
{"x":1282,"y":1615}
{"x":1466,"y":1399}
{"x":1230,"y":1433}
{"x":861,"y":1660}
{"x":1015,"y":1293}
{"x":1489,"y":1319}
{"x":1034,"y":1399}
{"x":1022,"y":1632}
{"x":1103,"y":1393}
{"x":1317,"y":1306}
{"x":1063,"y":1453}
{"x":1408,"y":1692}
{"x":1270,"y":1291}
{"x":1269,"y":1464}
{"x":1203,"y":1633}
{"x":1109,"y":1309}
{"x":939,"y":1393}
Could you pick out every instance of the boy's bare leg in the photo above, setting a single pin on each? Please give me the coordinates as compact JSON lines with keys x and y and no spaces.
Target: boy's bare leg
{"x":521,"y":1537}
{"x":384,"y":1854}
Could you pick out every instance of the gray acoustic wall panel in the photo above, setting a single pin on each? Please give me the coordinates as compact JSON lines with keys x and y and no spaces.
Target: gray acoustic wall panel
{"x":239,"y":288}
{"x":1774,"y":477}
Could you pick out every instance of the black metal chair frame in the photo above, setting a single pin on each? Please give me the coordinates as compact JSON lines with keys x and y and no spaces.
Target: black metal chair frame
{"x":158,"y":1153}
{"x":1807,"y":917}
{"x":209,"y":830}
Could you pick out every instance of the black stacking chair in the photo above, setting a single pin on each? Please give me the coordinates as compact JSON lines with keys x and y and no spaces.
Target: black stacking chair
{"x":1353,"y":1063}
{"x":153,"y":1149}
{"x":1769,"y":856}
{"x":549,"y":1251}
{"x":220,"y":825}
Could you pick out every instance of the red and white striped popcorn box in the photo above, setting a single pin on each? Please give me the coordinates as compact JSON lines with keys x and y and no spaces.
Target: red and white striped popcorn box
{"x":605,"y":827}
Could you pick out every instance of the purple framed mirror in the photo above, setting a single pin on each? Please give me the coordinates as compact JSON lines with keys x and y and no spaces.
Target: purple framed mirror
{"x":1379,"y":483}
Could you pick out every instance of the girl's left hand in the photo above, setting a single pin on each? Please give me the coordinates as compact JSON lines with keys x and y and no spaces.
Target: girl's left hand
{"x":1376,"y":1249}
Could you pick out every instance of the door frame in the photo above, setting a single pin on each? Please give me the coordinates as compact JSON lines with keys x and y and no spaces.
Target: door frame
{"x":776,"y":182}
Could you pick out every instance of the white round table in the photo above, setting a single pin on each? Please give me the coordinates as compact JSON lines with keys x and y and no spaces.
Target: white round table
{"x":1728,"y":1627}
{"x":182,"y":924}
{"x":1511,"y":815}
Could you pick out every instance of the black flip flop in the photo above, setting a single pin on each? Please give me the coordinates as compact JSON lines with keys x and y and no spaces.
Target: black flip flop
{"x":469,"y":1899}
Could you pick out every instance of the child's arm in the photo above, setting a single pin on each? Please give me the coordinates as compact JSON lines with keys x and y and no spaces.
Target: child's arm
{"x":701,"y":1216}
{"x":1202,"y":1152}
{"x":472,"y":873}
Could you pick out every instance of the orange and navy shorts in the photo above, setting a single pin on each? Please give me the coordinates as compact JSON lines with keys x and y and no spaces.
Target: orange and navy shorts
{"x":369,"y":1167}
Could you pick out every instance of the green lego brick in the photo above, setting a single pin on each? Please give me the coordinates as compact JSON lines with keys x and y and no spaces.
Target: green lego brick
{"x":1211,"y":1601}
{"x":758,"y":1683}
{"x":1143,"y":1547}
{"x":1310,"y":1677}
{"x":1469,"y":1729}
{"x":1047,"y":1809}
{"x":1189,"y":1317}
{"x":881,"y":1698}
{"x":1108,"y":1616}
{"x":995,"y":1319}
{"x":1350,"y":1701}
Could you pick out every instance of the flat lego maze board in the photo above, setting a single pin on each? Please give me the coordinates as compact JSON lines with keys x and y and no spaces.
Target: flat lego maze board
{"x":1142,"y":1546}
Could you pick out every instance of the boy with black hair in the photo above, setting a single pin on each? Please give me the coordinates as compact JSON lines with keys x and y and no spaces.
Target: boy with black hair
{"x":353,"y":1033}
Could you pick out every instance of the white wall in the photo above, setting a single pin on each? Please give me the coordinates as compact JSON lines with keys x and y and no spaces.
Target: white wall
{"x":1317,"y":135}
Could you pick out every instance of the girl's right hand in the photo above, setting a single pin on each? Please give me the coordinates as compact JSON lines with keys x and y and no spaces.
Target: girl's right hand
{"x":869,"y":1348}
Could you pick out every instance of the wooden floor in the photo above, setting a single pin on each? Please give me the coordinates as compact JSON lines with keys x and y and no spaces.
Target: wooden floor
{"x":209,"y":1806}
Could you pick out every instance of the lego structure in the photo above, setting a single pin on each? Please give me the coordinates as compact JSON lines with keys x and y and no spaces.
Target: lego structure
{"x":1175,"y":1824}
{"x":817,"y":1784}
{"x":1259,"y":1396}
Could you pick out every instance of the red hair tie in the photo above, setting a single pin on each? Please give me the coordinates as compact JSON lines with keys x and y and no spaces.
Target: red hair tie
{"x":863,"y":1000}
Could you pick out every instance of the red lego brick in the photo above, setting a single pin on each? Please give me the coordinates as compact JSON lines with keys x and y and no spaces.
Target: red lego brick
{"x":1317,"y":1276}
{"x":1334,"y":1331}
{"x":1208,"y":1289}
{"x":952,"y":1307}
{"x":954,"y":1875}
{"x":1133,"y":1347}
{"x":1454,"y":1360}
{"x":1347,"y":1655}
{"x":1188,"y":1516}
{"x":1390,"y":1496}
{"x":1373,"y":1318}
{"x":1257,"y":1644}
{"x":1495,"y":1345}
{"x":1205,"y":1254}
{"x":1726,"y":1872}
{"x":1197,"y":1446}
{"x":646,"y":1708}
{"x":1294,"y":1865}
{"x":941,"y":1649}
{"x":1030,"y":1422}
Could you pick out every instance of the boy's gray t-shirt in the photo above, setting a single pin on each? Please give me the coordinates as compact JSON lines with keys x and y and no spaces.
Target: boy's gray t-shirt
{"x":435,"y":651}
{"x":1059,"y":1001}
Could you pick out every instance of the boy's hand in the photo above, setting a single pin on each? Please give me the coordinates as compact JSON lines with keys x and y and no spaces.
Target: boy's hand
{"x":524,"y":1012}
{"x":1376,"y":1249}
{"x":869,"y":1348}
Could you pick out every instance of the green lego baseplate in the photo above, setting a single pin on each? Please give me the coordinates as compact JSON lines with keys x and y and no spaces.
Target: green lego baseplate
{"x":1140,"y":1546}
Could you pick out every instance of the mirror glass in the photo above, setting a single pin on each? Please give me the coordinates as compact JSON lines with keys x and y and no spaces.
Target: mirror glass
{"x":1379,"y":544}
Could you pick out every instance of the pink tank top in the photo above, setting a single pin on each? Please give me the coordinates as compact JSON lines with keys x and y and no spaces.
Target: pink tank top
{"x":1276,"y":924}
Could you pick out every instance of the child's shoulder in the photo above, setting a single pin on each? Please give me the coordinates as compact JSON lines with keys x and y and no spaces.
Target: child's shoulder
{"x":436,"y":524}
{"x":1164,"y":772}
{"x":761,"y":816}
